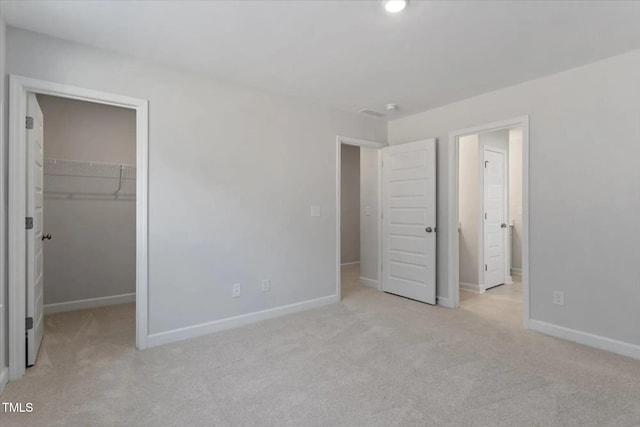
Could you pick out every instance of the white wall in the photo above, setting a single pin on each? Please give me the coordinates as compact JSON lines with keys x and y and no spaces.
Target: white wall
{"x":350,"y":204}
{"x":515,"y":197}
{"x":233,"y":173}
{"x":369,"y":214}
{"x":93,"y":250}
{"x":584,"y":186}
{"x":3,"y":208}
{"x":469,"y":210}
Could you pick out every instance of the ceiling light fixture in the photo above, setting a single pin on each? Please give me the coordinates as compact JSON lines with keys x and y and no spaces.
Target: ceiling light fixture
{"x":395,"y":6}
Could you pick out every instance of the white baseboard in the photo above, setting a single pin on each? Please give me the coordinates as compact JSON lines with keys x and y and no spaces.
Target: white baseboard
{"x":82,"y":304}
{"x":369,"y":282}
{"x":350,"y":263}
{"x":516,"y":271}
{"x":591,"y":340}
{"x":445,"y":302}
{"x":471,"y":287}
{"x":233,"y":322}
{"x":4,"y":378}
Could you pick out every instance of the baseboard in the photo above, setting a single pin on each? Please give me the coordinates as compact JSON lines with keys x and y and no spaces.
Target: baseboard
{"x":4,"y":378}
{"x":471,"y":287}
{"x":233,"y":322}
{"x":516,"y":271}
{"x":369,"y":282}
{"x":445,"y":302}
{"x":349,"y":263}
{"x":591,"y":340}
{"x":82,"y":304}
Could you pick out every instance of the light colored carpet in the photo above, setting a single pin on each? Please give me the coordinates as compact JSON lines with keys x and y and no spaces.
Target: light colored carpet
{"x":502,"y":304}
{"x":372,"y":360}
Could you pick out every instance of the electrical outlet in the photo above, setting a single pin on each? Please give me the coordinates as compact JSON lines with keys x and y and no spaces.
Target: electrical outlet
{"x":266,"y":285}
{"x":236,"y":290}
{"x":558,"y":298}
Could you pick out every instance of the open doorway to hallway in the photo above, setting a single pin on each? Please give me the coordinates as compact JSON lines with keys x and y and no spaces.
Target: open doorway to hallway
{"x":359,"y":219}
{"x":490,"y":224}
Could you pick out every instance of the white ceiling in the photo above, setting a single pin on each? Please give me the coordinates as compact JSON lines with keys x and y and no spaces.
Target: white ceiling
{"x":350,"y":54}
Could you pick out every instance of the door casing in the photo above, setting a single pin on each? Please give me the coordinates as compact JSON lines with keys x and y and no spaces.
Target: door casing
{"x":19,"y":86}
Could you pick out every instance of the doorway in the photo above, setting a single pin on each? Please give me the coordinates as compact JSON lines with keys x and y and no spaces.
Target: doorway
{"x":358,"y":226}
{"x":489,"y":220}
{"x":26,"y":186}
{"x":84,"y":228}
{"x":398,"y":206}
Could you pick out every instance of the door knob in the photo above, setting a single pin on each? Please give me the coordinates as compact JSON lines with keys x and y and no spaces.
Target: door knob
{"x":46,"y":236}
{"x":428,"y":229}
{"x":503,"y":225}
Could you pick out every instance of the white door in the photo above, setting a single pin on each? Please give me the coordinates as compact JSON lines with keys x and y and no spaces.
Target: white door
{"x":409,"y":220}
{"x":35,"y":201}
{"x":495,"y":213}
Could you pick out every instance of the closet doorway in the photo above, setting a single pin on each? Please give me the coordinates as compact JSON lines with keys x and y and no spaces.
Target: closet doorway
{"x":85,"y":234}
{"x":78,"y":174}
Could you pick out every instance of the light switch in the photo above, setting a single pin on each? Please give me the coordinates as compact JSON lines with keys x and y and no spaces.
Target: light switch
{"x":315,"y":211}
{"x":367,"y":210}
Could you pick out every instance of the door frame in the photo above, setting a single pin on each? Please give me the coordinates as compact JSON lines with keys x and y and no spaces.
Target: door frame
{"x":19,"y":86}
{"x":452,"y":192}
{"x":367,"y":144}
{"x":505,"y":210}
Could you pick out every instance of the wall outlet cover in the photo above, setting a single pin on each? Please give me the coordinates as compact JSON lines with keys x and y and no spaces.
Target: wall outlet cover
{"x":558,"y":298}
{"x":236,"y":290}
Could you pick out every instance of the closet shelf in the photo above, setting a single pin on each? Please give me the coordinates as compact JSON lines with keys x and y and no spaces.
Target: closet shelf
{"x":67,"y":179}
{"x":61,"y":167}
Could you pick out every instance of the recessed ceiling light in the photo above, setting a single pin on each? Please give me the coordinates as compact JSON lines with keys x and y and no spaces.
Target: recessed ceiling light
{"x":395,"y":6}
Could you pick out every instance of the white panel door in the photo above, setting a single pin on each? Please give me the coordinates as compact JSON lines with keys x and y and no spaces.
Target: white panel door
{"x":35,"y":200}
{"x":409,"y":220}
{"x":495,"y":212}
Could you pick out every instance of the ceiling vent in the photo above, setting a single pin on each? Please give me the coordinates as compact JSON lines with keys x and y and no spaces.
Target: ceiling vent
{"x":371,"y":113}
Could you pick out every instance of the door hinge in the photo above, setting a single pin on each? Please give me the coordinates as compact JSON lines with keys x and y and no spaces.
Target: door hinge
{"x":29,"y":122}
{"x":29,"y":222}
{"x":29,"y":323}
{"x":485,"y":267}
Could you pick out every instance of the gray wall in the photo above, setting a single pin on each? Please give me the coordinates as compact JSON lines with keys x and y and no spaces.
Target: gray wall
{"x":515,"y":196}
{"x":350,"y":204}
{"x":469,"y":209}
{"x":584,"y":186}
{"x":232,"y":175}
{"x":93,"y":250}
{"x":369,"y":215}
